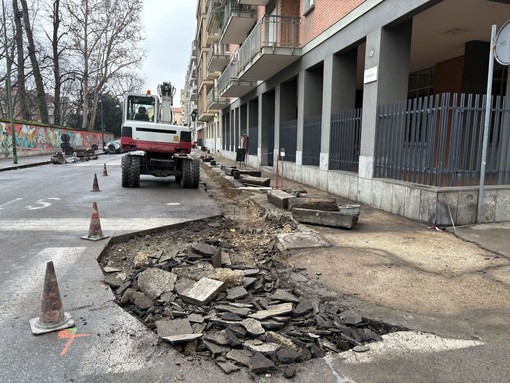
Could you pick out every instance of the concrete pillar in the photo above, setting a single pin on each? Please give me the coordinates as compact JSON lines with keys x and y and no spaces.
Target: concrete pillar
{"x":259,"y":124}
{"x":338,"y":93}
{"x":268,"y":113}
{"x":387,"y":57}
{"x":327,"y":97}
{"x":476,"y":67}
{"x":300,"y":118}
{"x":277,"y":111}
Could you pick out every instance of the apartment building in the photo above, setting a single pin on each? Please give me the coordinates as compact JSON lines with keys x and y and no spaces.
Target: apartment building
{"x":378,"y":101}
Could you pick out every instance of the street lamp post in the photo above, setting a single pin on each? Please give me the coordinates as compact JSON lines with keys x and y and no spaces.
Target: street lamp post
{"x":8,"y":87}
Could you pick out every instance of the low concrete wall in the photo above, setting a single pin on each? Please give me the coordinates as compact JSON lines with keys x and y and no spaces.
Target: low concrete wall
{"x":417,"y":202}
{"x":35,"y":139}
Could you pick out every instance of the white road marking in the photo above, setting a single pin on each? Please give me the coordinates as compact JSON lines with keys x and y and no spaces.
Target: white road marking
{"x":7,"y":203}
{"x":43,"y":203}
{"x":172,"y":204}
{"x":27,"y":286}
{"x":82,"y":224}
{"x":328,"y":359}
{"x":406,"y":342}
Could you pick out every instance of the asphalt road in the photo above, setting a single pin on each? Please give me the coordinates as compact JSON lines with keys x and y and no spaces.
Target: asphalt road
{"x":43,"y":213}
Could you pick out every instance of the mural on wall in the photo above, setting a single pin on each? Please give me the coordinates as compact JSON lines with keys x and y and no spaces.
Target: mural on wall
{"x":36,"y":139}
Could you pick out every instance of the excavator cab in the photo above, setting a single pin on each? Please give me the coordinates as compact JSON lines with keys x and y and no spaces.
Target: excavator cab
{"x":141,"y":107}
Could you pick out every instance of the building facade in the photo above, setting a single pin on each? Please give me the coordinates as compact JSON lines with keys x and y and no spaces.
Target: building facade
{"x":378,"y":101}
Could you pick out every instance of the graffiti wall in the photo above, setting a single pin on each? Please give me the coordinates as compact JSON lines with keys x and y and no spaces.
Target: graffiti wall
{"x":40,"y":139}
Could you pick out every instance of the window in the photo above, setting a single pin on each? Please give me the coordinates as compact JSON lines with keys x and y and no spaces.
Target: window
{"x":308,"y":6}
{"x":421,"y":83}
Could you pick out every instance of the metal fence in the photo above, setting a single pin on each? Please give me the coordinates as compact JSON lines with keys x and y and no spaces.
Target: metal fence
{"x":288,"y":139}
{"x":253,"y":140}
{"x":345,"y":140}
{"x":312,"y":140}
{"x":437,"y":140}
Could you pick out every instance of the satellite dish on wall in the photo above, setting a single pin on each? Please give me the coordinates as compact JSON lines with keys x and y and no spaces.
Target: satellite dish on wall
{"x":502,"y":46}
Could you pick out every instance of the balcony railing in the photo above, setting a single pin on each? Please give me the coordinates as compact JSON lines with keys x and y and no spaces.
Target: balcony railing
{"x":228,"y":75}
{"x":217,"y":57}
{"x":254,"y":2}
{"x":238,"y":19}
{"x":270,"y":32}
{"x":212,"y":15}
{"x":214,"y":101}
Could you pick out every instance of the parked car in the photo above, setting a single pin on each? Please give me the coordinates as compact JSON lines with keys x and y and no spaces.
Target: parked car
{"x":112,"y":147}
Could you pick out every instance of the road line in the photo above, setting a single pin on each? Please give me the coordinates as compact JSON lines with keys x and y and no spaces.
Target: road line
{"x":406,"y":342}
{"x":7,"y":203}
{"x":82,"y":224}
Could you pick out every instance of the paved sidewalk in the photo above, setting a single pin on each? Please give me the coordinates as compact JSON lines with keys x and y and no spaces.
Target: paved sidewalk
{"x":24,"y":162}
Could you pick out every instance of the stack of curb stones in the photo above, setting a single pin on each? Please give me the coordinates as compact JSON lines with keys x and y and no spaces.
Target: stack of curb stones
{"x":240,"y":316}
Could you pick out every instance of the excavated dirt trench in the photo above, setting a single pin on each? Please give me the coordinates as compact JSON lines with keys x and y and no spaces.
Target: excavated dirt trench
{"x":264,"y":316}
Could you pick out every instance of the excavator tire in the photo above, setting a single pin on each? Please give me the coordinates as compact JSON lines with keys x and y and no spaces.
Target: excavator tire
{"x":130,"y":171}
{"x":124,"y":168}
{"x":190,"y":174}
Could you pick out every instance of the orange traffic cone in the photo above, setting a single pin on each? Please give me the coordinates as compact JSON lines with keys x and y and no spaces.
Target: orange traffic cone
{"x":95,"y":232}
{"x":95,"y":185}
{"x":52,"y":316}
{"x":105,"y":173}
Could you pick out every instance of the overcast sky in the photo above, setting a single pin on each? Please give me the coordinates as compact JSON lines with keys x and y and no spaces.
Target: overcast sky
{"x":169,"y":29}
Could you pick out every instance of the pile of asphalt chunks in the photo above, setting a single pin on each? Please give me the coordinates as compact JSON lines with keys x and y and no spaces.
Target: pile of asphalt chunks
{"x":238,"y":315}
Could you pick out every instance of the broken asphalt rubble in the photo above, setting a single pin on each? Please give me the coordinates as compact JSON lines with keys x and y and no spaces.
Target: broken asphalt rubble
{"x":241,"y":316}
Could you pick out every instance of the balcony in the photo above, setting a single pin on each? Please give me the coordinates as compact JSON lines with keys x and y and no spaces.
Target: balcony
{"x":254,"y":2}
{"x":271,"y":46}
{"x":193,"y":95}
{"x":213,"y":15}
{"x":217,"y":57}
{"x":194,"y":50}
{"x":213,"y":36}
{"x":238,"y":20}
{"x":229,"y":85}
{"x":214,"y":101}
{"x":205,"y":116}
{"x":212,"y":75}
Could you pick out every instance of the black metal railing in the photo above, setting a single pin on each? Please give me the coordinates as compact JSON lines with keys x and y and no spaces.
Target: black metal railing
{"x":312,"y":140}
{"x":345,"y":140}
{"x":437,"y":140}
{"x":288,"y":139}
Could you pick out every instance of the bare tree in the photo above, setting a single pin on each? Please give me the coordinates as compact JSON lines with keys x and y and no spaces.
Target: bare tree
{"x":125,"y":82}
{"x":57,"y":50}
{"x":38,"y":79}
{"x":105,"y":36}
{"x":21,"y":94}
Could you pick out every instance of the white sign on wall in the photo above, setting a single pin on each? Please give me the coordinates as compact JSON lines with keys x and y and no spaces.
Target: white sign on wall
{"x":370,"y":75}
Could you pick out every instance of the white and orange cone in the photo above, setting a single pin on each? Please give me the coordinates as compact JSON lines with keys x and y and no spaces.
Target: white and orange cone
{"x":95,"y":185}
{"x":53,"y":317}
{"x":95,"y":232}
{"x":105,"y":172}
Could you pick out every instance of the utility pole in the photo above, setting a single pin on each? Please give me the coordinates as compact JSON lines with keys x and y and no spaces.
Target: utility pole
{"x":8,"y":87}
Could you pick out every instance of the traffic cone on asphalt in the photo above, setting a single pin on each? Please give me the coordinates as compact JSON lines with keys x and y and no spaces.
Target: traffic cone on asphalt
{"x":95,"y":185}
{"x":95,"y":232}
{"x":52,"y":316}
{"x":105,"y":173}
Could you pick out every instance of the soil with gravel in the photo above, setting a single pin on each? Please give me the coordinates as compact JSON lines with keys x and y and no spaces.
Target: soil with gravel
{"x":246,"y":237}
